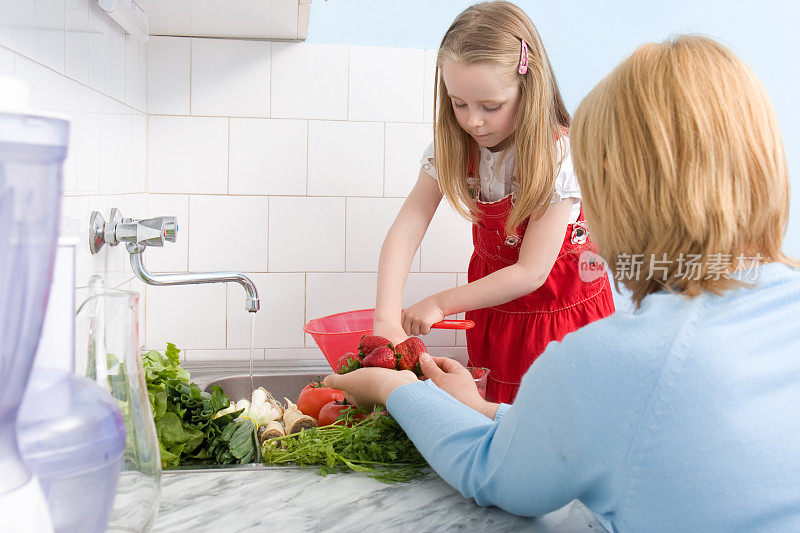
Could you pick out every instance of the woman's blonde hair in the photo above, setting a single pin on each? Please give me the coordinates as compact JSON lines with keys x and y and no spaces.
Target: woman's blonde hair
{"x":490,"y":33}
{"x":679,"y":156}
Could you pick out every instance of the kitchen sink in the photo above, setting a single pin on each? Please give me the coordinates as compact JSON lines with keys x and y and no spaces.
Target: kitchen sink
{"x":280,"y":386}
{"x":237,"y":387}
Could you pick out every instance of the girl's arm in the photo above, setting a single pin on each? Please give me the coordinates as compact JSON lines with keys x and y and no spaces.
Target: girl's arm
{"x":538,"y":252}
{"x":397,"y":254}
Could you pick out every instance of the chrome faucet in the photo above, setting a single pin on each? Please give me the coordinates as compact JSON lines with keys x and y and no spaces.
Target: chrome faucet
{"x":139,"y":234}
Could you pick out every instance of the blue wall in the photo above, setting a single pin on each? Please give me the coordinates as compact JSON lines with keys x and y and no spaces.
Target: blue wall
{"x":587,"y":38}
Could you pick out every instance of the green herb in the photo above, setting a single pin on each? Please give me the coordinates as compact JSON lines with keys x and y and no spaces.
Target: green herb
{"x":375,"y":445}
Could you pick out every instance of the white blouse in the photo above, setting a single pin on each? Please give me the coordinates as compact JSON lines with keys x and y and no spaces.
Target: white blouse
{"x":497,"y":169}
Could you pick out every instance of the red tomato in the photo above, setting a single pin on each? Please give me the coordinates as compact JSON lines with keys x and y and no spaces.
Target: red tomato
{"x":331,"y":411}
{"x":314,"y":397}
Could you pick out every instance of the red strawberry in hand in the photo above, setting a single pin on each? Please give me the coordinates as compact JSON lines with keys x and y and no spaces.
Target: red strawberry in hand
{"x":347,"y":363}
{"x":409,"y":351}
{"x":369,"y":343}
{"x":382,"y":357}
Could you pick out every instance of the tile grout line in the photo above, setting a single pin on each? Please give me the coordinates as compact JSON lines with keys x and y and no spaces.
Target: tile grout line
{"x":308,"y":150}
{"x":269,"y":87}
{"x":383,"y":169}
{"x":345,"y":234}
{"x":228,"y":155}
{"x":305,"y":306}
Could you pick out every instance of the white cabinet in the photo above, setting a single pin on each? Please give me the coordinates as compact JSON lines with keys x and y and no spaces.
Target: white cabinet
{"x":243,"y":19}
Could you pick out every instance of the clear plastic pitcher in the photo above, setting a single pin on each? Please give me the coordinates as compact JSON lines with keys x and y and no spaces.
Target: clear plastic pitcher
{"x":107,"y":340}
{"x":32,"y":151}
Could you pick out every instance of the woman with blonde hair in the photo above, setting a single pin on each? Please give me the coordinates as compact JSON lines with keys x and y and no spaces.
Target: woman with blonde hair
{"x":679,"y":416}
{"x":501,"y":157}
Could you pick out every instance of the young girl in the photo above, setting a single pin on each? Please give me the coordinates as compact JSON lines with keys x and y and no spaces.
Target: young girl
{"x":501,"y":156}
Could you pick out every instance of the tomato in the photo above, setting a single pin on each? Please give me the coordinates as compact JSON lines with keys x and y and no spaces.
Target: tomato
{"x":314,"y":396}
{"x":331,"y":411}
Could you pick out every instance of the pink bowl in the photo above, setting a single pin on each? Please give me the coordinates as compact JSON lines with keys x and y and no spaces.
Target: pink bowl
{"x":339,"y":334}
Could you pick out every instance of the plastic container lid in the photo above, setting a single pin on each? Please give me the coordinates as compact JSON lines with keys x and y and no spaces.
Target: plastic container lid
{"x":20,"y":124}
{"x":68,"y":423}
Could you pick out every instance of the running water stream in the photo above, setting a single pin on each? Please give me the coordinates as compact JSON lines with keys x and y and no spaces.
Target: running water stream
{"x":252,"y":342}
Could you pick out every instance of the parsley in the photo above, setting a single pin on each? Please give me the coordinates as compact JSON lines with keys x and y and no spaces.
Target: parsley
{"x":376,"y":446}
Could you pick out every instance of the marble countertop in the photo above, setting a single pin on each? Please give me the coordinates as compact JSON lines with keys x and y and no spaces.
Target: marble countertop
{"x":294,"y":499}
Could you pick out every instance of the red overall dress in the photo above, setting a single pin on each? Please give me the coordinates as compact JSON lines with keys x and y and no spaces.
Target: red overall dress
{"x":507,"y":338}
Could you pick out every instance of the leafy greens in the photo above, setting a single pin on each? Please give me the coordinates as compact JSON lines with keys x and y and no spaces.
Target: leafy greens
{"x":184,"y":417}
{"x":375,"y":445}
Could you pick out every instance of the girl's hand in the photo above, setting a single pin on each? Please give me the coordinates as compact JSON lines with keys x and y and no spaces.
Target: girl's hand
{"x":367,"y":387}
{"x":393,"y":332}
{"x":418,"y":319}
{"x":451,"y":376}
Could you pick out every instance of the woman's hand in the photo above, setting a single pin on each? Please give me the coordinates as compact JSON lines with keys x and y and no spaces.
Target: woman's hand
{"x":451,"y":376}
{"x":367,"y":387}
{"x":418,"y":319}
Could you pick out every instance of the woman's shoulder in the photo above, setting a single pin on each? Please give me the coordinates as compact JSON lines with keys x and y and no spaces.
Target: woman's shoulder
{"x":632,"y":335}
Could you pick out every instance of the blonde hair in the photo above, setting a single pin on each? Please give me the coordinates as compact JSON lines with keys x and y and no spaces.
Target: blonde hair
{"x":490,"y":33}
{"x":678,"y":153}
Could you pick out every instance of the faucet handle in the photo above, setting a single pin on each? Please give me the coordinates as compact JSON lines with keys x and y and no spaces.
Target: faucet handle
{"x":137,"y":234}
{"x":156,"y":231}
{"x":170,"y":228}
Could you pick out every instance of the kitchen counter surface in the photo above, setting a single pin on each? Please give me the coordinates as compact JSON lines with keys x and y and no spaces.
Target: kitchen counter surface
{"x":293,"y":499}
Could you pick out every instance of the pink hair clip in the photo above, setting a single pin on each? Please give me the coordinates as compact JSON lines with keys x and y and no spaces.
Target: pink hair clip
{"x":523,"y":58}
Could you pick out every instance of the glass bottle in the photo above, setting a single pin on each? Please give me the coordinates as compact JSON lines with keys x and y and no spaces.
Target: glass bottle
{"x":108,"y":349}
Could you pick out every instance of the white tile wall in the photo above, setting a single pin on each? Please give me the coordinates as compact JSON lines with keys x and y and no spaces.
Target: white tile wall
{"x":364,"y":241}
{"x":189,"y":316}
{"x":386,"y":84}
{"x":228,"y":233}
{"x":6,"y":62}
{"x":168,"y":75}
{"x":430,"y":77}
{"x":116,"y":154}
{"x":99,"y":48}
{"x":117,"y":49}
{"x":335,"y":292}
{"x":70,"y":55}
{"x":447,"y":245}
{"x":135,"y":73}
{"x":405,"y":144}
{"x":230,"y":78}
{"x":220,"y":355}
{"x":187,"y":155}
{"x":268,"y":156}
{"x":87,"y":152}
{"x":39,"y":80}
{"x":306,"y":234}
{"x":17,"y":27}
{"x":50,"y":30}
{"x":309,"y":81}
{"x":345,"y":158}
{"x":279,"y":322}
{"x":287,"y":161}
{"x":76,"y":40}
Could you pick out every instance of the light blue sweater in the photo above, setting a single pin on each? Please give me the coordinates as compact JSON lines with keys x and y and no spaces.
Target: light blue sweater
{"x":682,"y":416}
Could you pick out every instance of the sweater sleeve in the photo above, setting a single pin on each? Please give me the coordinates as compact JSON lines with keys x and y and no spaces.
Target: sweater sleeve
{"x":562,"y":439}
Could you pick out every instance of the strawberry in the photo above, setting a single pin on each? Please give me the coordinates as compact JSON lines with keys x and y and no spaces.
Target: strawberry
{"x":382,"y":356}
{"x":347,"y":363}
{"x":409,"y":351}
{"x":369,"y":343}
